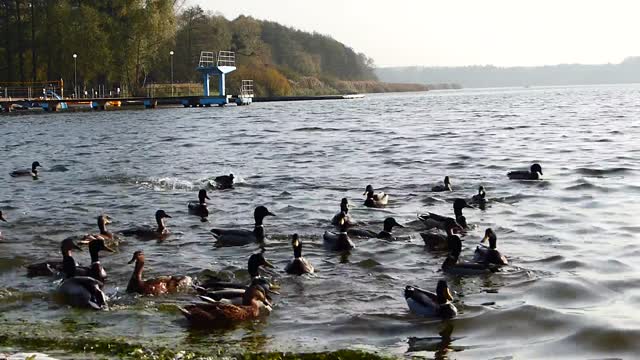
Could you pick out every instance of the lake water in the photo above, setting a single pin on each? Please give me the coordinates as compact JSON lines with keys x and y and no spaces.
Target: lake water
{"x":571,"y":292}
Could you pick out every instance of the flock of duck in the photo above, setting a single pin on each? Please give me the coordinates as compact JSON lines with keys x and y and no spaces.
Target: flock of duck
{"x":226,"y":303}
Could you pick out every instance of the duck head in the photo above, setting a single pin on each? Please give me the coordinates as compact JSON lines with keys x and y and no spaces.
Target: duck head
{"x":34,"y":166}
{"x":255,"y":261}
{"x":389,"y":223}
{"x":536,"y":168}
{"x":138,"y":257}
{"x":202,"y":196}
{"x":344,"y":205}
{"x":260,"y":213}
{"x":443,"y":293}
{"x":103,"y":220}
{"x":68,"y":245}
{"x":491,"y":237}
{"x":368,"y":191}
{"x":254,"y":295}
{"x":2,"y":217}
{"x":481,"y":193}
{"x":447,"y":183}
{"x":297,"y":246}
{"x":342,"y":222}
{"x":458,"y":205}
{"x":160,"y":216}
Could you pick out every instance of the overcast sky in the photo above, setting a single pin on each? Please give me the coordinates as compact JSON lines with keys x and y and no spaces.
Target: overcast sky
{"x":462,"y":32}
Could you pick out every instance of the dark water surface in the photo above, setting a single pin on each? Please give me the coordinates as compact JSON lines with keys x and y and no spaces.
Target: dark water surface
{"x":572,"y":290}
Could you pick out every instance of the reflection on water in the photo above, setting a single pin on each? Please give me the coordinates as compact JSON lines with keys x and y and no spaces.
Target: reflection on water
{"x":571,"y":291}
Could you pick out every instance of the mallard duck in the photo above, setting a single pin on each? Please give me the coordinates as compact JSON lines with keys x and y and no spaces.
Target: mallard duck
{"x":490,"y":254}
{"x":344,"y":208}
{"x":426,"y":303}
{"x":385,"y":234}
{"x":436,"y":241}
{"x":157,"y":286}
{"x":256,"y":261}
{"x":199,"y":208}
{"x":480,"y":198}
{"x":232,"y":237}
{"x":452,"y":266}
{"x":33,"y":172}
{"x":52,"y":268}
{"x":432,"y":220}
{"x":96,"y":270}
{"x":224,"y":182}
{"x":104,"y":234}
{"x":339,"y":241}
{"x":148,"y":232}
{"x":377,"y":200}
{"x":535,"y":173}
{"x":218,"y":314}
{"x":445,"y":187}
{"x":298,"y":265}
{"x":84,"y":292}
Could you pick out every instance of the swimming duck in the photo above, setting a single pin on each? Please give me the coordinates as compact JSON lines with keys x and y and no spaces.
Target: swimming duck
{"x":426,"y":303}
{"x":33,"y":172}
{"x":480,"y":198}
{"x":385,"y":234}
{"x":452,"y":266}
{"x":432,"y":220}
{"x":445,"y":187}
{"x":199,"y":208}
{"x":157,"y":286}
{"x":377,"y":200}
{"x":224,"y":182}
{"x":103,"y":221}
{"x":256,"y":261}
{"x":340,"y":241}
{"x":148,"y":232}
{"x":67,"y":266}
{"x":344,"y":208}
{"x":232,"y":237}
{"x":84,"y":292}
{"x":218,"y":314}
{"x":435,"y":241}
{"x":298,"y":264}
{"x":2,"y":219}
{"x":535,"y":173}
{"x":489,"y":254}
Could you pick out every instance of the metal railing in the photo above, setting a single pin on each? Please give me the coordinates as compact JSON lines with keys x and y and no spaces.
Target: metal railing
{"x":226,"y":58}
{"x":246,"y":89}
{"x":207,"y":59}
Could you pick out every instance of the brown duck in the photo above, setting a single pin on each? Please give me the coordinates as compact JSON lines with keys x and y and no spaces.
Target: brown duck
{"x":157,"y":286}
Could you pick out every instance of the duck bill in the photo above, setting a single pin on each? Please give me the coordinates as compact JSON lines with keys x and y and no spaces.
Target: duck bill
{"x":2,"y":218}
{"x":133,"y":259}
{"x":268,"y":264}
{"x":484,"y":239}
{"x":206,"y":197}
{"x":269,"y":213}
{"x":76,"y":247}
{"x":399,"y":225}
{"x":106,"y":248}
{"x":167,"y":215}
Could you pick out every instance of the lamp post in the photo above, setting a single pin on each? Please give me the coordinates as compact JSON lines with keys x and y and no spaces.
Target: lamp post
{"x":75,"y":76}
{"x":171,"y":55}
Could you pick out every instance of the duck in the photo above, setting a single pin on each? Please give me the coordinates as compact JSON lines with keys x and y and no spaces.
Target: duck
{"x":66,"y":267}
{"x":385,"y":234}
{"x":442,"y":188}
{"x":224,"y":182}
{"x":344,"y":208}
{"x":33,"y":172}
{"x":199,"y":208}
{"x":535,"y":173}
{"x":157,"y":286}
{"x":2,"y":219}
{"x":338,"y":241}
{"x":83,"y":292}
{"x":480,"y":198}
{"x":490,"y":254}
{"x":298,"y":265}
{"x":436,"y":241}
{"x":236,"y":237}
{"x":452,"y":266}
{"x":218,"y":314}
{"x":432,"y":220}
{"x":428,"y":304}
{"x":148,"y":232}
{"x":104,"y":234}
{"x":376,"y":200}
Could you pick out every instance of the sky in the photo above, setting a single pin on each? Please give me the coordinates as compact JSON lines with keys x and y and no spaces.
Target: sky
{"x":461,"y":32}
